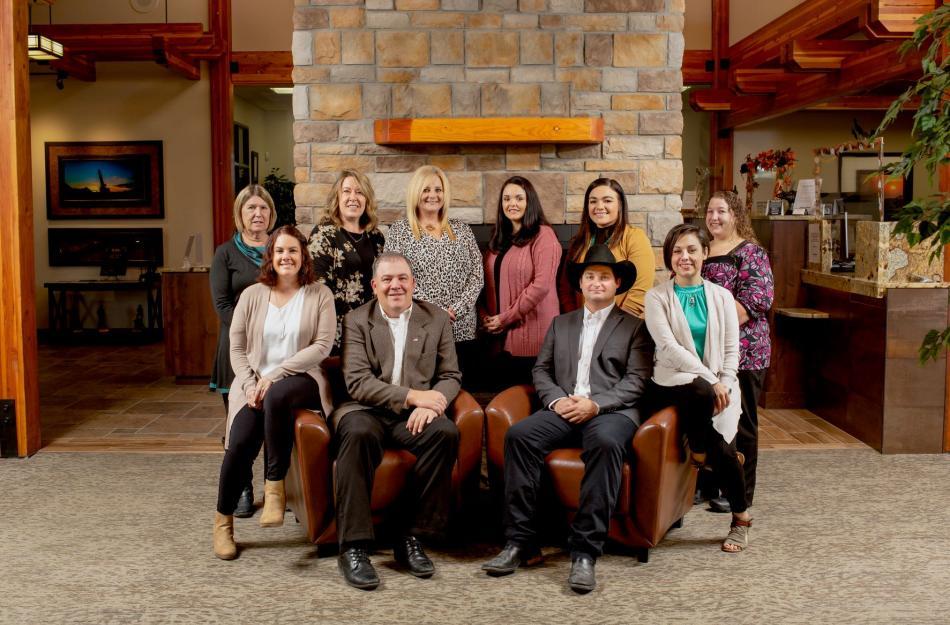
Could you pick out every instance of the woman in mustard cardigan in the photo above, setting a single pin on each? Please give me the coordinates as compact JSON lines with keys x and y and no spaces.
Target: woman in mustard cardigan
{"x":521,"y":263}
{"x":605,"y":221}
{"x":282,"y":329}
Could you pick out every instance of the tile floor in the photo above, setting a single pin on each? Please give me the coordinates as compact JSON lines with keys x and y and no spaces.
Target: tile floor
{"x":118,"y":398}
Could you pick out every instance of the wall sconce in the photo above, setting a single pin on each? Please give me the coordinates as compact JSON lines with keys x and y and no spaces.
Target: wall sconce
{"x":43,"y":48}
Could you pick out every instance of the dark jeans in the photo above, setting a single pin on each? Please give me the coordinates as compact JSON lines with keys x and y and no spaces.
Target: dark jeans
{"x":605,"y":440}
{"x":271,"y":426}
{"x":695,"y":403}
{"x":360,"y":439}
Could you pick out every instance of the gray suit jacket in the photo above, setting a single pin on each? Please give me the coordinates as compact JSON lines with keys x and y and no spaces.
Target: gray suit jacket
{"x":621,"y":365}
{"x":429,"y":360}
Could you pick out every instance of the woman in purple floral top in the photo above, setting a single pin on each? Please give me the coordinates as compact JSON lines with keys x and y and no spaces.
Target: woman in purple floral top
{"x":737,"y":262}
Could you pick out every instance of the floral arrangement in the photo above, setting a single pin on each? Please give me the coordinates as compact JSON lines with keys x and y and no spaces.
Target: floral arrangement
{"x":782,"y":161}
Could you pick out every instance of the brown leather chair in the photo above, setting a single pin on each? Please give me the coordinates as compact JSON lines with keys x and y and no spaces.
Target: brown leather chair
{"x":309,"y":483}
{"x":656,"y":489}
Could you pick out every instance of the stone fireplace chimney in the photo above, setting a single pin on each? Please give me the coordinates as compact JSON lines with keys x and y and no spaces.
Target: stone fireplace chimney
{"x":356,"y":61}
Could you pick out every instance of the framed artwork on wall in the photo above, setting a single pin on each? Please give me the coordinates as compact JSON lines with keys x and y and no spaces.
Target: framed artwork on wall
{"x":859,"y":182}
{"x":104,"y":179}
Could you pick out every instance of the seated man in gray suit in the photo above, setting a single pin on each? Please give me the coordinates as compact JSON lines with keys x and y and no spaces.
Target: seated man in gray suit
{"x":401,"y":374}
{"x":590,"y":376}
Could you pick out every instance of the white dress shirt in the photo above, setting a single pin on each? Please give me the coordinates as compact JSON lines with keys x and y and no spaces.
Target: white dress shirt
{"x":593,"y":322}
{"x":281,"y":329}
{"x":399,"y":329}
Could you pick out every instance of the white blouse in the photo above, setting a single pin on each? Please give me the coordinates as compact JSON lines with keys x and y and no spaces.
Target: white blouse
{"x":281,"y":330}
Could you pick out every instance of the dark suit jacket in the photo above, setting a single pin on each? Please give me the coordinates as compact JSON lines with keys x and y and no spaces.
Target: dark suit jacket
{"x":620,"y":367}
{"x":429,"y":360}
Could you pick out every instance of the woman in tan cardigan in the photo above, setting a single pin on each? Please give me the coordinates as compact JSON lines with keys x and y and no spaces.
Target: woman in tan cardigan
{"x":282,"y":329}
{"x":605,"y":221}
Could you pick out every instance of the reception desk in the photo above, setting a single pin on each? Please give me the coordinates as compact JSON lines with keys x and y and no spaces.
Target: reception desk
{"x":859,"y":364}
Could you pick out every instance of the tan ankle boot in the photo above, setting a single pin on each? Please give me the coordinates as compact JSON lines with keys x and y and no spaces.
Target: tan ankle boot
{"x":274,"y":504}
{"x":224,"y":546}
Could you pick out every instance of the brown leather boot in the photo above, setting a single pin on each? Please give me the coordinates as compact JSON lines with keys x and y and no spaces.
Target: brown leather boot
{"x":224,"y":546}
{"x":274,"y":504}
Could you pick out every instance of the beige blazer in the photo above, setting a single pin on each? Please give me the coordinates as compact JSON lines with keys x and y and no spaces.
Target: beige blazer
{"x":317,"y":329}
{"x":676,"y":361}
{"x":429,"y":359}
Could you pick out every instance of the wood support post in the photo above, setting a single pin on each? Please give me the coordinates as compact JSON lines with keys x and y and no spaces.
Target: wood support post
{"x":18,"y":358}
{"x":222,"y":115}
{"x":721,"y":139}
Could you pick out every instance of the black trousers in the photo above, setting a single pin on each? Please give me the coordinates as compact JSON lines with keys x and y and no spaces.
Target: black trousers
{"x":361,"y":437}
{"x":695,"y":403}
{"x":271,"y":425}
{"x":747,"y":439}
{"x":605,"y":440}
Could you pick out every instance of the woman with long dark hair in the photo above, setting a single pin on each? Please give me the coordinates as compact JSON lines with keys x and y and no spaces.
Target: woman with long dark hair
{"x":605,"y":222}
{"x":520,"y":278}
{"x":282,"y":329}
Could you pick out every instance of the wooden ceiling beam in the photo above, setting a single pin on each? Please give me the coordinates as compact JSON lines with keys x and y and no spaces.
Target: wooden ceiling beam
{"x":697,"y":67}
{"x":77,"y":66}
{"x":863,"y":103}
{"x":710,"y":100}
{"x":177,"y":61}
{"x":859,"y":72}
{"x":821,"y":54}
{"x":894,"y":19}
{"x":757,"y":81}
{"x":266,"y":69}
{"x":812,"y":19}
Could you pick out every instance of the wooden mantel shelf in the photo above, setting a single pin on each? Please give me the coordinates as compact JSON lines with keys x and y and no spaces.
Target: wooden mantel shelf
{"x":490,"y":130}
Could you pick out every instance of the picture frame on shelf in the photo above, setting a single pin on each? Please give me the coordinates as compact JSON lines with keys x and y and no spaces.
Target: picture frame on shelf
{"x":858,"y":179}
{"x":104,"y":180}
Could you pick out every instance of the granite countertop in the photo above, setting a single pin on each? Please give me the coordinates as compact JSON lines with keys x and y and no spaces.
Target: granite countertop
{"x":851,"y":217}
{"x":868,"y":288}
{"x":200,"y":269}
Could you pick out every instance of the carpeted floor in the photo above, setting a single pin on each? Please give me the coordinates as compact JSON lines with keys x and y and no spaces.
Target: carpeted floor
{"x":844,"y":536}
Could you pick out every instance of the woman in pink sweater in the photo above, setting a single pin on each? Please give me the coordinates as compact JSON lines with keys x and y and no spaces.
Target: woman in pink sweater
{"x":520,"y":271}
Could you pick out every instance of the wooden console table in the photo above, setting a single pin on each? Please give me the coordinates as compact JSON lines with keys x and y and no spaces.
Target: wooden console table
{"x":68,"y":308}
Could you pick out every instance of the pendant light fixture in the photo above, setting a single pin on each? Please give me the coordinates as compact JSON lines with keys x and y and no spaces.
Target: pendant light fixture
{"x":41,"y":47}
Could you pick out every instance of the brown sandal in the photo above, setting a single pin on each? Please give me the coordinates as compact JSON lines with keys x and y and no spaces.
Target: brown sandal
{"x":738,"y":536}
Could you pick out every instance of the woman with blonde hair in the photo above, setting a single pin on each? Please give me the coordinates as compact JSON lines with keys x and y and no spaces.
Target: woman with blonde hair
{"x":345,"y":243}
{"x":443,"y":253}
{"x":235,"y":267}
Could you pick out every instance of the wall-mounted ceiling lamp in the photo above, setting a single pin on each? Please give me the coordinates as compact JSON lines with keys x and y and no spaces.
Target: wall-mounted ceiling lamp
{"x":282,"y":90}
{"x":43,"y":48}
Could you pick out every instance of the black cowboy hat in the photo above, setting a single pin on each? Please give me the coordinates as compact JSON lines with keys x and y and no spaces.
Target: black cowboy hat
{"x":600,"y":254}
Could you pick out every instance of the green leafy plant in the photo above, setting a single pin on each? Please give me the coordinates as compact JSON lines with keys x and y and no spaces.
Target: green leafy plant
{"x":282,"y":191}
{"x":926,"y":220}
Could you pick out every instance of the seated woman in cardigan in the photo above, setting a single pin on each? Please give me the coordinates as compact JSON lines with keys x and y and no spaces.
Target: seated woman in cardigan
{"x":695,"y":326}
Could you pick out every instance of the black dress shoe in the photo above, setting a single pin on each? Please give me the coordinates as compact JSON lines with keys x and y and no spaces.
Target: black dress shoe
{"x":245,"y":507}
{"x":581,"y":579}
{"x":719,"y":504}
{"x":510,"y":558}
{"x":357,"y":570}
{"x":410,"y":554}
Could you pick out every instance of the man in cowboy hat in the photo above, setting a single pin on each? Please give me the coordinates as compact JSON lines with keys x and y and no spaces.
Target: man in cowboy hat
{"x":590,"y":376}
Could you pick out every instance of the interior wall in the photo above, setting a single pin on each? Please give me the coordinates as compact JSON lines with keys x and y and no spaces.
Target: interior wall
{"x":271,"y":134}
{"x":257,"y":25}
{"x":807,"y":130}
{"x":128,"y":101}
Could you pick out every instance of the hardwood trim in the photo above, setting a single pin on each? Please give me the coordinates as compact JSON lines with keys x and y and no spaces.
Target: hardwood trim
{"x":18,"y":356}
{"x":262,"y":68}
{"x":863,"y":103}
{"x":859,"y":72}
{"x":490,"y":130}
{"x":222,"y":119}
{"x":720,"y":40}
{"x":894,"y":19}
{"x":177,"y":61}
{"x":711,"y":99}
{"x":721,"y":148}
{"x":821,"y":54}
{"x":812,"y":19}
{"x":694,"y":67}
{"x":761,"y":80}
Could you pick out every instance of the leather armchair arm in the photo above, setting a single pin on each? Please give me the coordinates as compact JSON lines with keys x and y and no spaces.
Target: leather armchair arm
{"x":470,"y":420}
{"x":507,"y":408}
{"x":664,"y":478}
{"x":312,"y":500}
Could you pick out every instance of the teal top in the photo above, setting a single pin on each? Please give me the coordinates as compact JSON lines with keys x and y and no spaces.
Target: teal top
{"x":693,"y":301}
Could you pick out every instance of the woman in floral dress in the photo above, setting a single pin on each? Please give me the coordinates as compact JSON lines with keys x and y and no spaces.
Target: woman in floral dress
{"x":345,"y":244}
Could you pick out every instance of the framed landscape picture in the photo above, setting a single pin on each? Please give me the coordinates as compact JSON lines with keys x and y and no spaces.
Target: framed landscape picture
{"x":104,"y":179}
